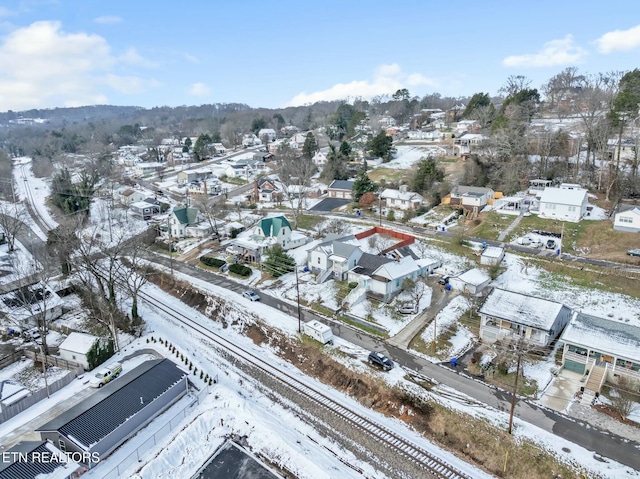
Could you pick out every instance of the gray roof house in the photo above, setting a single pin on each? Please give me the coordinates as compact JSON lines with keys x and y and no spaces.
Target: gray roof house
{"x":333,"y":258}
{"x":509,"y":315}
{"x":109,"y":417}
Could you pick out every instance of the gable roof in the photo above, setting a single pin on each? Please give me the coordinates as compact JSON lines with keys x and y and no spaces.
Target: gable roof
{"x":100,"y":414}
{"x":399,"y":195}
{"x":465,"y":190}
{"x":78,"y":342}
{"x":521,"y":309}
{"x":628,"y":209}
{"x":185,"y":215}
{"x":605,"y":335}
{"x":341,"y":185}
{"x":474,"y":276}
{"x":397,"y":269}
{"x":272,"y":226}
{"x":368,"y":263}
{"x":563,"y":196}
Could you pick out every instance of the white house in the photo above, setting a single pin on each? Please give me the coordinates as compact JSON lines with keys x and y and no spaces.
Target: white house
{"x":468,"y":141}
{"x":76,"y":347}
{"x":627,"y":218}
{"x":428,"y":135}
{"x":334,"y":258}
{"x":509,"y":315}
{"x":320,"y":159}
{"x":471,"y":196}
{"x":567,"y":203}
{"x":144,"y":210}
{"x":25,"y":306}
{"x":492,"y":256}
{"x":146,"y":168}
{"x":402,"y":199}
{"x":186,"y":222}
{"x":269,"y":133}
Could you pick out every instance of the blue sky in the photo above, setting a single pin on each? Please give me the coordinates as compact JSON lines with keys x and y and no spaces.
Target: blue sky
{"x":273,"y":54}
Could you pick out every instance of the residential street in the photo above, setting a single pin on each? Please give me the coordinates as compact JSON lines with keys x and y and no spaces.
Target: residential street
{"x":585,"y":435}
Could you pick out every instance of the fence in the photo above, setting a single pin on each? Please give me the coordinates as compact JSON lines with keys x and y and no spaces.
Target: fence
{"x":53,"y":361}
{"x":11,"y":358}
{"x":10,"y":411}
{"x":118,"y":471}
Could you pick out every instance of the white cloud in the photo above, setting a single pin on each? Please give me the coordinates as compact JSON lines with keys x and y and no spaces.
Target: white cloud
{"x":132,"y":57}
{"x":108,"y":19}
{"x":387,"y":80}
{"x":191,"y":58}
{"x":43,"y":66}
{"x":619,"y":40}
{"x":553,"y":53}
{"x":199,"y":89}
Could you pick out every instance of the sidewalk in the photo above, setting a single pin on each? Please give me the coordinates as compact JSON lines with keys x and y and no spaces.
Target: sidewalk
{"x":511,"y":227}
{"x":439,"y":299}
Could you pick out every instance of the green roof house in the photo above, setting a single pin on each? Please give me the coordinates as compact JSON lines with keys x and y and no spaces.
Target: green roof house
{"x":186,"y":222}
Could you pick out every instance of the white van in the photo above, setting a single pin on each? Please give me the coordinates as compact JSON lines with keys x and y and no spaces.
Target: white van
{"x":318,"y":331}
{"x":104,"y":375}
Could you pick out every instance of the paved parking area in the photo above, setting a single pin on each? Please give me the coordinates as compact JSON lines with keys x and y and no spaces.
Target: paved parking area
{"x":560,"y":392}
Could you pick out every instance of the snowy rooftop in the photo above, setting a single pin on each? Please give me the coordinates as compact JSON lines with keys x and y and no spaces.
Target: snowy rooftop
{"x":605,"y":335}
{"x":78,"y":342}
{"x":493,"y":252}
{"x":522,"y":309}
{"x":563,"y":196}
{"x":474,"y":276}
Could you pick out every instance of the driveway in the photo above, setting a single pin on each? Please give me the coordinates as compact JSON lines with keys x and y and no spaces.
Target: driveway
{"x":329,"y":204}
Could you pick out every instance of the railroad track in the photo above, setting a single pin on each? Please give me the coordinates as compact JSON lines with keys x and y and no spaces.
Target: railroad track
{"x":31,"y":205}
{"x":422,"y":458}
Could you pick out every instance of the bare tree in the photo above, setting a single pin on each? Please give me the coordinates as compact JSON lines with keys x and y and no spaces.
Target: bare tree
{"x":625,"y":397}
{"x":415,"y":289}
{"x":134,"y":275}
{"x":210,"y":207}
{"x":295,"y":175}
{"x":12,"y":218}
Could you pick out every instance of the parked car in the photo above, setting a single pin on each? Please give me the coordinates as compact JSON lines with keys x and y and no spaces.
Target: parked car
{"x":408,"y":308}
{"x":32,"y":334}
{"x":634,"y":252}
{"x":524,"y":240}
{"x":380,"y":360}
{"x":444,"y":280}
{"x":535,"y":243}
{"x":105,"y":375}
{"x":551,"y":244}
{"x":251,"y":296}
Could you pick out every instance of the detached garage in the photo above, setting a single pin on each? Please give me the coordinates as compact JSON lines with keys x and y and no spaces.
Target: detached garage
{"x":76,"y":347}
{"x":116,"y":412}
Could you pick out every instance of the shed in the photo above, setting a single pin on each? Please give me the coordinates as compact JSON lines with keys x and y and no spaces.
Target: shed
{"x":12,"y":393}
{"x":76,"y":347}
{"x":492,"y":256}
{"x":472,"y":281}
{"x":109,"y":417}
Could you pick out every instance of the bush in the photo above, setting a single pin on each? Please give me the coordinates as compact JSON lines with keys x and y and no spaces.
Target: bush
{"x":240,"y":270}
{"x":352,"y":285}
{"x":215,"y":262}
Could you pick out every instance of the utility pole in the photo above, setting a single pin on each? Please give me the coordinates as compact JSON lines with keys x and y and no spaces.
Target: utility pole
{"x":380,"y":210}
{"x":515,"y":389}
{"x":298,"y":297}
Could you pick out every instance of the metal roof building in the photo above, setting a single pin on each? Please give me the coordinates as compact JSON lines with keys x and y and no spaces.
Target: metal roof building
{"x":36,"y":459}
{"x":110,"y":416}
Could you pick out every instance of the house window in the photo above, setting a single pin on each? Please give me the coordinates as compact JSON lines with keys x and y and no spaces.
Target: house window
{"x":572,"y":209}
{"x":625,"y":219}
{"x":318,"y":259}
{"x":62,"y":445}
{"x":73,"y":356}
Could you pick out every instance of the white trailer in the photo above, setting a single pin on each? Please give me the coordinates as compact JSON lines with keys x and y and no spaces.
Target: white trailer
{"x":318,"y":331}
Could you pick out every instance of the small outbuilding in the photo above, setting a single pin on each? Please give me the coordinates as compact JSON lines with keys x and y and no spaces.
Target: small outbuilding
{"x":102,"y":422}
{"x":492,"y":256}
{"x":472,"y":281}
{"x":76,"y":347}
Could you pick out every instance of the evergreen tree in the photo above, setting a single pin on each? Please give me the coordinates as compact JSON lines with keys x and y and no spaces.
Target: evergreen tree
{"x":362,"y":185}
{"x":381,"y":146}
{"x":278,"y":262}
{"x":310,"y":147}
{"x":426,"y":174}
